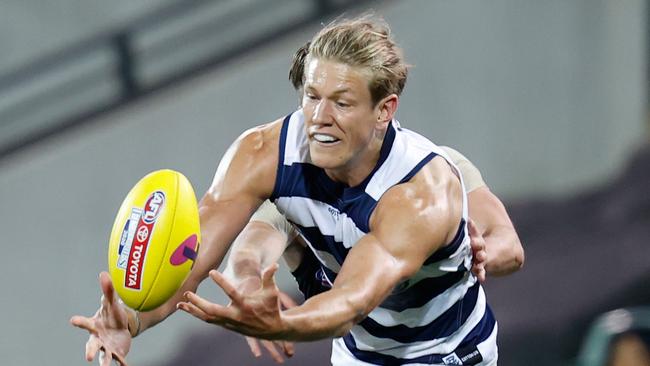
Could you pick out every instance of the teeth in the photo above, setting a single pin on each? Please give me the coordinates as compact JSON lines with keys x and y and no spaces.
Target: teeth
{"x":324,"y":138}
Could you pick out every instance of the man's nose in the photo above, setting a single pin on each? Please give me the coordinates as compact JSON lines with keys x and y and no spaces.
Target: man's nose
{"x":322,"y":113}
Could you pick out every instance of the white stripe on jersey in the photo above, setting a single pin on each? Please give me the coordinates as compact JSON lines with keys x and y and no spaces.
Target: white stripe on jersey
{"x":417,"y":317}
{"x":462,"y":256}
{"x":295,"y":136}
{"x":307,"y":212}
{"x":398,"y":165}
{"x":367,"y":342}
{"x":489,"y":349}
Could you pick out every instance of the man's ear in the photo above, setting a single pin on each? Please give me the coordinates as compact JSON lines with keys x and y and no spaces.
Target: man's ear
{"x":386,"y":109}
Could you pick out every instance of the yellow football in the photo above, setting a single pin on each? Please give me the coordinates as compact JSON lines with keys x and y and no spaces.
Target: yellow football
{"x":155,"y":239}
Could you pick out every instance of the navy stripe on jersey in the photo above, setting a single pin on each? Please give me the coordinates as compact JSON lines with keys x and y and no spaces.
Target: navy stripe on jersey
{"x":359,"y":210}
{"x":450,"y":248}
{"x":308,"y":181}
{"x":479,"y":333}
{"x":417,"y":168}
{"x":443,"y":326}
{"x":298,"y":179}
{"x":325,"y":243}
{"x":281,"y":149}
{"x":422,"y":292}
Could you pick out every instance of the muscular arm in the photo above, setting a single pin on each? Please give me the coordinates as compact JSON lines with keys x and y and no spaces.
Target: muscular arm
{"x":505,"y":253}
{"x":402,"y":236}
{"x":240,"y":185}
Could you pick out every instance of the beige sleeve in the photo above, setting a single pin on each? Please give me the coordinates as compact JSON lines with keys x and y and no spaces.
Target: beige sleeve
{"x":471,"y":175}
{"x":268,"y":213}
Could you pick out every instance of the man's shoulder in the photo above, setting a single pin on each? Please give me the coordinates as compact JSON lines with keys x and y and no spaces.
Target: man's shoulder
{"x":435,"y":189}
{"x":253,"y":157}
{"x":262,"y":137}
{"x":432,"y":181}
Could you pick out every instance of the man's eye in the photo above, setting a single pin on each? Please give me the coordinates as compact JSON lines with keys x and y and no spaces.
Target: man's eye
{"x":342,"y":104}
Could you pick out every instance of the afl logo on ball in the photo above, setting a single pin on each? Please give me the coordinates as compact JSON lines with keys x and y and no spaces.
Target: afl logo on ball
{"x":144,"y":230}
{"x":153,"y":206}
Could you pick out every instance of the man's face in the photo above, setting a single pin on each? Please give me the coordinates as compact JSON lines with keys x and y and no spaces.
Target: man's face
{"x":339,"y":114}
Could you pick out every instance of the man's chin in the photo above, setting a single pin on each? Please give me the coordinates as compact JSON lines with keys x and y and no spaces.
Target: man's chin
{"x":324,"y":161}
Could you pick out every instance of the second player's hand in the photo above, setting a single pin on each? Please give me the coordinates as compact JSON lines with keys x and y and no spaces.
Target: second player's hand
{"x":274,"y":348}
{"x":257,"y":314}
{"x":108,"y":328}
{"x":479,"y":253}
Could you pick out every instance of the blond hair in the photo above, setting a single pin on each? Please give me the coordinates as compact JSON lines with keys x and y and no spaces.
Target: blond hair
{"x":364,"y":42}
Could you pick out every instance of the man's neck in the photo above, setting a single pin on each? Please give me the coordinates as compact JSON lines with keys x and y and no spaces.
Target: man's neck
{"x":359,"y":167}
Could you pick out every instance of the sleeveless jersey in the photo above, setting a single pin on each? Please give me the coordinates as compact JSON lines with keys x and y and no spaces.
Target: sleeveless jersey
{"x":437,"y":317}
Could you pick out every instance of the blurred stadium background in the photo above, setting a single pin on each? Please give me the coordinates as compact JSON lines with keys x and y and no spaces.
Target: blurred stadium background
{"x":548,"y":98}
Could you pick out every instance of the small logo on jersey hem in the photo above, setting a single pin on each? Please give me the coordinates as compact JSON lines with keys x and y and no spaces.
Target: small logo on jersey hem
{"x":465,"y":356}
{"x":452,"y":359}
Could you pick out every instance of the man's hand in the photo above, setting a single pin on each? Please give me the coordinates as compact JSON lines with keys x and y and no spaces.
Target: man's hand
{"x":108,"y":328}
{"x":479,"y":253}
{"x":274,"y":348}
{"x":257,"y":314}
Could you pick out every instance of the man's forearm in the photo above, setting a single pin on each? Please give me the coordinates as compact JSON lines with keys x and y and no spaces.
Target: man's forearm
{"x":505,"y":253}
{"x":330,"y":314}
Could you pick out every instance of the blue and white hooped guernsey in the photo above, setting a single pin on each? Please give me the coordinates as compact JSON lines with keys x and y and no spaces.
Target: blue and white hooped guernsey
{"x":437,"y":317}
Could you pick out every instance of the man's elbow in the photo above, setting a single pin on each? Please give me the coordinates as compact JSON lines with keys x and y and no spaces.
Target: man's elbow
{"x":519,"y":257}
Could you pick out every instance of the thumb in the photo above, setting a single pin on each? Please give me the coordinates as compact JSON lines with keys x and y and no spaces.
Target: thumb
{"x":107,"y":287}
{"x":268,"y":276}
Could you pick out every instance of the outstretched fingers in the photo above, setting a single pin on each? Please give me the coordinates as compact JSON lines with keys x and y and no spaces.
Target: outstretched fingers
{"x":288,"y":348}
{"x":205,"y":310}
{"x":254,"y":345}
{"x":83,"y":323}
{"x":121,"y":360}
{"x":108,"y":291}
{"x":270,"y":346}
{"x":275,"y":354}
{"x":227,"y":287}
{"x":105,"y":358}
{"x":479,"y":253}
{"x":92,"y":347}
{"x":110,"y":301}
{"x":471,"y":227}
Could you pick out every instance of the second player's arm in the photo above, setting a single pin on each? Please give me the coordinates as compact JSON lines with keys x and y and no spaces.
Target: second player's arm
{"x":257,"y":247}
{"x":505,"y":254}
